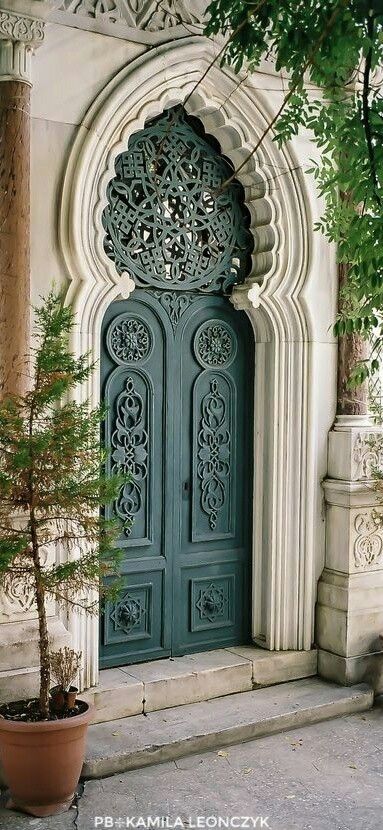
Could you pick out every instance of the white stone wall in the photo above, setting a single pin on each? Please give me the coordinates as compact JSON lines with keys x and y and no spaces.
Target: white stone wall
{"x":89,"y":90}
{"x":69,"y":71}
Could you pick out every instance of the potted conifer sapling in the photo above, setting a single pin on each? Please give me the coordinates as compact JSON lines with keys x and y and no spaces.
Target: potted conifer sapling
{"x":52,"y":486}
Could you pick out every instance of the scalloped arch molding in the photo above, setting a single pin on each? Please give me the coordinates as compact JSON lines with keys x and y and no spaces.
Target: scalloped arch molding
{"x":283,"y":296}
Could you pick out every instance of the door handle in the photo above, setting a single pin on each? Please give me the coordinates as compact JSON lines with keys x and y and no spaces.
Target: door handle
{"x":186,"y":490}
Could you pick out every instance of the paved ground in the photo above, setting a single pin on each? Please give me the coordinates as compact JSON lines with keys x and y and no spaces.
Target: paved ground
{"x":323,"y":777}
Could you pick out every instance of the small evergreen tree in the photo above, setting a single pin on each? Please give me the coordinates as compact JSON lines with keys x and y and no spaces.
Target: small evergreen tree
{"x":52,"y":484}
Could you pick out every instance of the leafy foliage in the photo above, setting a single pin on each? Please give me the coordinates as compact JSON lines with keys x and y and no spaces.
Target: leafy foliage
{"x":52,"y":484}
{"x":337,"y":46}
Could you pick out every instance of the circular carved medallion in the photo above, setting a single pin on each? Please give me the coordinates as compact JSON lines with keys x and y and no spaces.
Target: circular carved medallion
{"x":168,"y":221}
{"x":128,"y":339}
{"x":215,"y":344}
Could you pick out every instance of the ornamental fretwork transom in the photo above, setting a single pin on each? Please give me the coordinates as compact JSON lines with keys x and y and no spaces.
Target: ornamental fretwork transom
{"x":170,"y":220}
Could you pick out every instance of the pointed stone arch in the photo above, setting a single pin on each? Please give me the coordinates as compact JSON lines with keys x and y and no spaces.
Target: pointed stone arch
{"x":280,"y":295}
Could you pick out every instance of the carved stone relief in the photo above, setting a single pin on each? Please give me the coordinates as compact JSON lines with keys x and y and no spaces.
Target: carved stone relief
{"x":20,"y":28}
{"x":368,"y":542}
{"x":368,"y":454}
{"x":150,"y":15}
{"x":17,"y":595}
{"x":20,"y":35}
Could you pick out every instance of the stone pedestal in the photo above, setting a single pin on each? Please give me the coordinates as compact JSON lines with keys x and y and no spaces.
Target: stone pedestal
{"x":349,"y":616}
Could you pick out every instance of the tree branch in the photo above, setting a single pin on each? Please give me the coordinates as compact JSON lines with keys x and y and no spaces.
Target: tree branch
{"x":291,"y":91}
{"x":366,"y":109}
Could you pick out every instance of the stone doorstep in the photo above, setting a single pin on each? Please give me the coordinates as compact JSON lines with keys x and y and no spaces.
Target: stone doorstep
{"x":163,"y":684}
{"x":139,"y":741}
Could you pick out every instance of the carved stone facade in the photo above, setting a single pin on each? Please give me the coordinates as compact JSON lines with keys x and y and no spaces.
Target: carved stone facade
{"x":141,"y":14}
{"x":293,"y":344}
{"x":16,"y":597}
{"x":20,"y":35}
{"x":146,"y":21}
{"x":349,"y":610}
{"x":367,"y":454}
{"x":152,"y":57}
{"x":368,"y":540}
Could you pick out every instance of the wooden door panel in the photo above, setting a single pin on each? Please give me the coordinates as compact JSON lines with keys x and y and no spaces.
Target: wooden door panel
{"x":212,"y":573}
{"x":177,"y":377}
{"x":138,"y":625}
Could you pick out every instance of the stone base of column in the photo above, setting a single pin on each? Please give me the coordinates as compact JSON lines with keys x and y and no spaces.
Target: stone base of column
{"x":349,"y":671}
{"x":19,"y":656}
{"x":349,"y":615}
{"x":349,"y":619}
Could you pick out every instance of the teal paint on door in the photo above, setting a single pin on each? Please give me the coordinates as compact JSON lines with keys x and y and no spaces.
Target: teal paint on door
{"x":177,"y":372}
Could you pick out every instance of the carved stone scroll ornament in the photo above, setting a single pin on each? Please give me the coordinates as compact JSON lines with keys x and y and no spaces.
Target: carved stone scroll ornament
{"x":368,"y":454}
{"x":19,"y":36}
{"x":17,"y":594}
{"x":21,"y":28}
{"x":151,"y":15}
{"x":368,"y":544}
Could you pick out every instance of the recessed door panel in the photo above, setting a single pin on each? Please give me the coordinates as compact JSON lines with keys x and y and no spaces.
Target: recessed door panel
{"x":137,"y":430}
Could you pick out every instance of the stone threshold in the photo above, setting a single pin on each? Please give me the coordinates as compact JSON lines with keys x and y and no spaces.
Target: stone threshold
{"x":163,"y":684}
{"x":139,"y":741}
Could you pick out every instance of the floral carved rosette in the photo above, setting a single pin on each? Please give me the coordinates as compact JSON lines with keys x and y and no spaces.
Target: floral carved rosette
{"x":129,"y":340}
{"x":215,"y":344}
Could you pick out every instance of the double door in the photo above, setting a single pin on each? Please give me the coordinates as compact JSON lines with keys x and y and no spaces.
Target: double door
{"x":177,"y":372}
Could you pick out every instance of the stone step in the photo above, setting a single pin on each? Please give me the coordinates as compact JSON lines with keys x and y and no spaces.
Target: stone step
{"x":134,"y":742}
{"x":161,"y":684}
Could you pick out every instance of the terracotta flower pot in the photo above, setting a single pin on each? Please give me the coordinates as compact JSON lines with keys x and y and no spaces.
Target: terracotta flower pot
{"x":42,"y":761}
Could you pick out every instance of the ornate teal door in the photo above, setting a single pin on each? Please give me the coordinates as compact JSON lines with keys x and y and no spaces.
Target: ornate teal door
{"x":177,"y":373}
{"x":177,"y":376}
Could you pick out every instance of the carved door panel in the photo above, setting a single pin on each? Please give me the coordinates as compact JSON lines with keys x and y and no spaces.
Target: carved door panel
{"x":213,"y":547}
{"x":177,"y":374}
{"x":136,"y":627}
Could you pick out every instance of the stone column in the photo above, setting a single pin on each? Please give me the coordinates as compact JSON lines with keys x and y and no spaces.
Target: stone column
{"x":19,"y":36}
{"x":349,"y":615}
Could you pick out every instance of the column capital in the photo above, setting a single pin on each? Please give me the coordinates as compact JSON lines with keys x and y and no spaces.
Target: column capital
{"x":20,"y":35}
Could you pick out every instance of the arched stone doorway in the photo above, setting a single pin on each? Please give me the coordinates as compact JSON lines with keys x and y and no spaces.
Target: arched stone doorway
{"x":177,"y":377}
{"x":288,"y":296}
